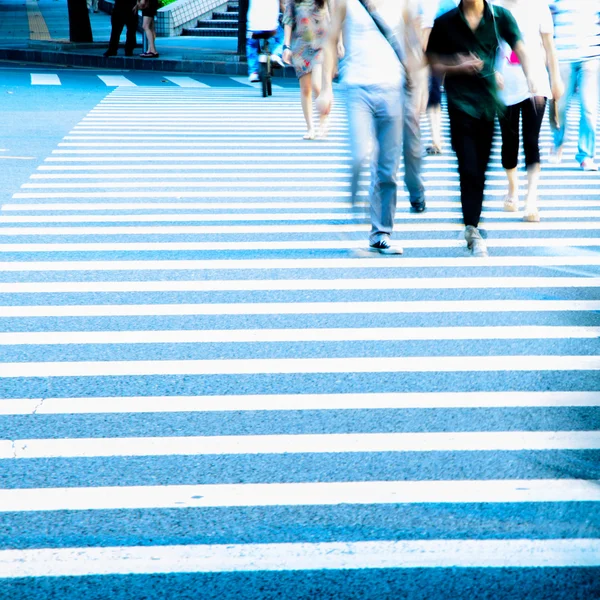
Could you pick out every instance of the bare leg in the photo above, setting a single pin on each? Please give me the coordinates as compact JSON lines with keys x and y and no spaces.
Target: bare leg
{"x":435,"y":122}
{"x":148,"y":26}
{"x":531,"y":208}
{"x":307,"y":105}
{"x":511,"y":201}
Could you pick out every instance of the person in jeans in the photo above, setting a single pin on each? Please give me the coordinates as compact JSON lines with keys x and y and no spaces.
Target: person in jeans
{"x":535,"y":22}
{"x":373,"y":74}
{"x":462,"y":47}
{"x":577,"y":33}
{"x":264,"y":16}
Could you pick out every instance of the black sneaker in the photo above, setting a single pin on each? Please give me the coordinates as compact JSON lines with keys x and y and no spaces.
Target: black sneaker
{"x":384,"y":247}
{"x":418,"y":207}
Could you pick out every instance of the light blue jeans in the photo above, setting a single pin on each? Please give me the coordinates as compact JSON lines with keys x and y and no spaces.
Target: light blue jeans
{"x":375,"y":116}
{"x":252,"y":46}
{"x":582,"y":76}
{"x":412,"y":147}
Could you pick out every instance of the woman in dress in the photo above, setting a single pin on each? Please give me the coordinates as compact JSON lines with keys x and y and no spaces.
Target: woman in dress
{"x":306,"y":25}
{"x":535,"y":22}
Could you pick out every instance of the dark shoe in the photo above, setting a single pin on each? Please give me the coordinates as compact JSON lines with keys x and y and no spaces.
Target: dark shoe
{"x":418,"y":207}
{"x":108,"y":53}
{"x":128,"y":52}
{"x":149,"y":55}
{"x":384,"y":247}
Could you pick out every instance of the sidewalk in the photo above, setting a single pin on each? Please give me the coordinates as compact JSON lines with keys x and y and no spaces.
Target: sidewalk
{"x":38,"y":31}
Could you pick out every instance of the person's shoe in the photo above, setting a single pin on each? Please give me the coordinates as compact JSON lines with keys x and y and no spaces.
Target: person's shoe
{"x":511,"y":203}
{"x":555,"y":156}
{"x":475,"y":242}
{"x":108,"y":53}
{"x":277,"y":61}
{"x":418,"y":207}
{"x":384,"y":247}
{"x":253,"y":78}
{"x":531,"y":214}
{"x":589,"y":165}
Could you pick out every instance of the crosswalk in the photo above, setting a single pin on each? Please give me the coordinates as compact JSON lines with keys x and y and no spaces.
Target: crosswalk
{"x":107,"y":79}
{"x":201,"y":385}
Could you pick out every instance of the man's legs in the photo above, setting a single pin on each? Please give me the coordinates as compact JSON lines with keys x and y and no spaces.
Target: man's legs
{"x":252,"y":47}
{"x":131,"y":39}
{"x":386,"y":158}
{"x":588,"y":98}
{"x":412,"y":149}
{"x":568,"y":72}
{"x":472,"y":142}
{"x":117,"y":21}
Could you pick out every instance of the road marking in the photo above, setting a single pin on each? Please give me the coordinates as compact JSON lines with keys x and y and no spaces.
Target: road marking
{"x":339,"y":443}
{"x":116,"y":80}
{"x":302,"y":263}
{"x":299,"y":494}
{"x":213,"y":558}
{"x":338,"y":334}
{"x":299,"y":245}
{"x":232,"y":230}
{"x":251,"y":285}
{"x":44,"y":79}
{"x":294,"y":402}
{"x":186,"y":82}
{"x":303,"y":366}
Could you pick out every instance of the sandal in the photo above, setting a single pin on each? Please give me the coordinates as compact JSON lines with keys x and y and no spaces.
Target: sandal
{"x":531,"y":214}
{"x":149,"y":55}
{"x":433,"y":150}
{"x":309,"y":135}
{"x":511,"y":203}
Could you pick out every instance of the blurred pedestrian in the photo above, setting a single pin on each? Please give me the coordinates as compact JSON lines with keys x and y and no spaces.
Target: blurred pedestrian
{"x":376,"y":35}
{"x":263,"y":18}
{"x":124,"y":14}
{"x":306,"y":24}
{"x":577,"y":38}
{"x":149,"y":9}
{"x":535,"y":23}
{"x":432,"y":9}
{"x":462,"y":47}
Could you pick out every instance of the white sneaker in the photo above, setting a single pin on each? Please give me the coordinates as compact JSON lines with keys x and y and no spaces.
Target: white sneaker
{"x":253,"y":77}
{"x":589,"y":165}
{"x":475,"y":242}
{"x":555,"y":156}
{"x":275,"y":58}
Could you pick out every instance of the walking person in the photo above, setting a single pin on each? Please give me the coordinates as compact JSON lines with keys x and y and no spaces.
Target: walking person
{"x":306,"y":23}
{"x":124,"y":14}
{"x":577,"y":38}
{"x":149,"y":9}
{"x":432,"y":9}
{"x":462,"y":48}
{"x":263,"y":17}
{"x":373,"y":74}
{"x":535,"y":23}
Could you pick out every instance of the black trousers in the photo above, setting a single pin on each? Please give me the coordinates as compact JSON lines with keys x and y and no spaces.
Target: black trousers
{"x":472,"y":142}
{"x":123,"y":16}
{"x":532,"y":116}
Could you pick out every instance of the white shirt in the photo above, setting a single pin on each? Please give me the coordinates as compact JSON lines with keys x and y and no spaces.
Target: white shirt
{"x":263,"y":15}
{"x":533,"y":18}
{"x":370,"y":59}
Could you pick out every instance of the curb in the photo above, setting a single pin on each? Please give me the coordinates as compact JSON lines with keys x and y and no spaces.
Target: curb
{"x":211,"y":64}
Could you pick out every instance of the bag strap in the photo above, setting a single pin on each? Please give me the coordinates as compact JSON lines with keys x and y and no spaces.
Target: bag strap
{"x":386,"y":32}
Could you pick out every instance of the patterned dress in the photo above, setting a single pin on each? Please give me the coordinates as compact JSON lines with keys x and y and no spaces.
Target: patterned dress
{"x":310,"y":25}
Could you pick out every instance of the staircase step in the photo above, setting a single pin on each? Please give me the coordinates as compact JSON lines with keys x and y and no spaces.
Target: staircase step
{"x":209,"y":32}
{"x":225,"y":16}
{"x":218,"y":24}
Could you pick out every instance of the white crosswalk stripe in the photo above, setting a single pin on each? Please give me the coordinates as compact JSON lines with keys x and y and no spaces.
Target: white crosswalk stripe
{"x":188,"y":335}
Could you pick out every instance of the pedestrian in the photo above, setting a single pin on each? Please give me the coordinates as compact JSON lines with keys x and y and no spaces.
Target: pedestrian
{"x":149,"y":9}
{"x":462,"y":48}
{"x":264,"y":18}
{"x":373,"y":73}
{"x":306,"y":23}
{"x":124,"y":14}
{"x":432,"y":9}
{"x":535,"y":23}
{"x":577,"y":35}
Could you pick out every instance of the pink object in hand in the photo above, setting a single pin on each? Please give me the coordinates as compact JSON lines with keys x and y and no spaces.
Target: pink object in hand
{"x":513,"y":59}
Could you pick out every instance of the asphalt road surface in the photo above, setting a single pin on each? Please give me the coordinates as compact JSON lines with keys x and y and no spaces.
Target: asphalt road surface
{"x":205,"y":392}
